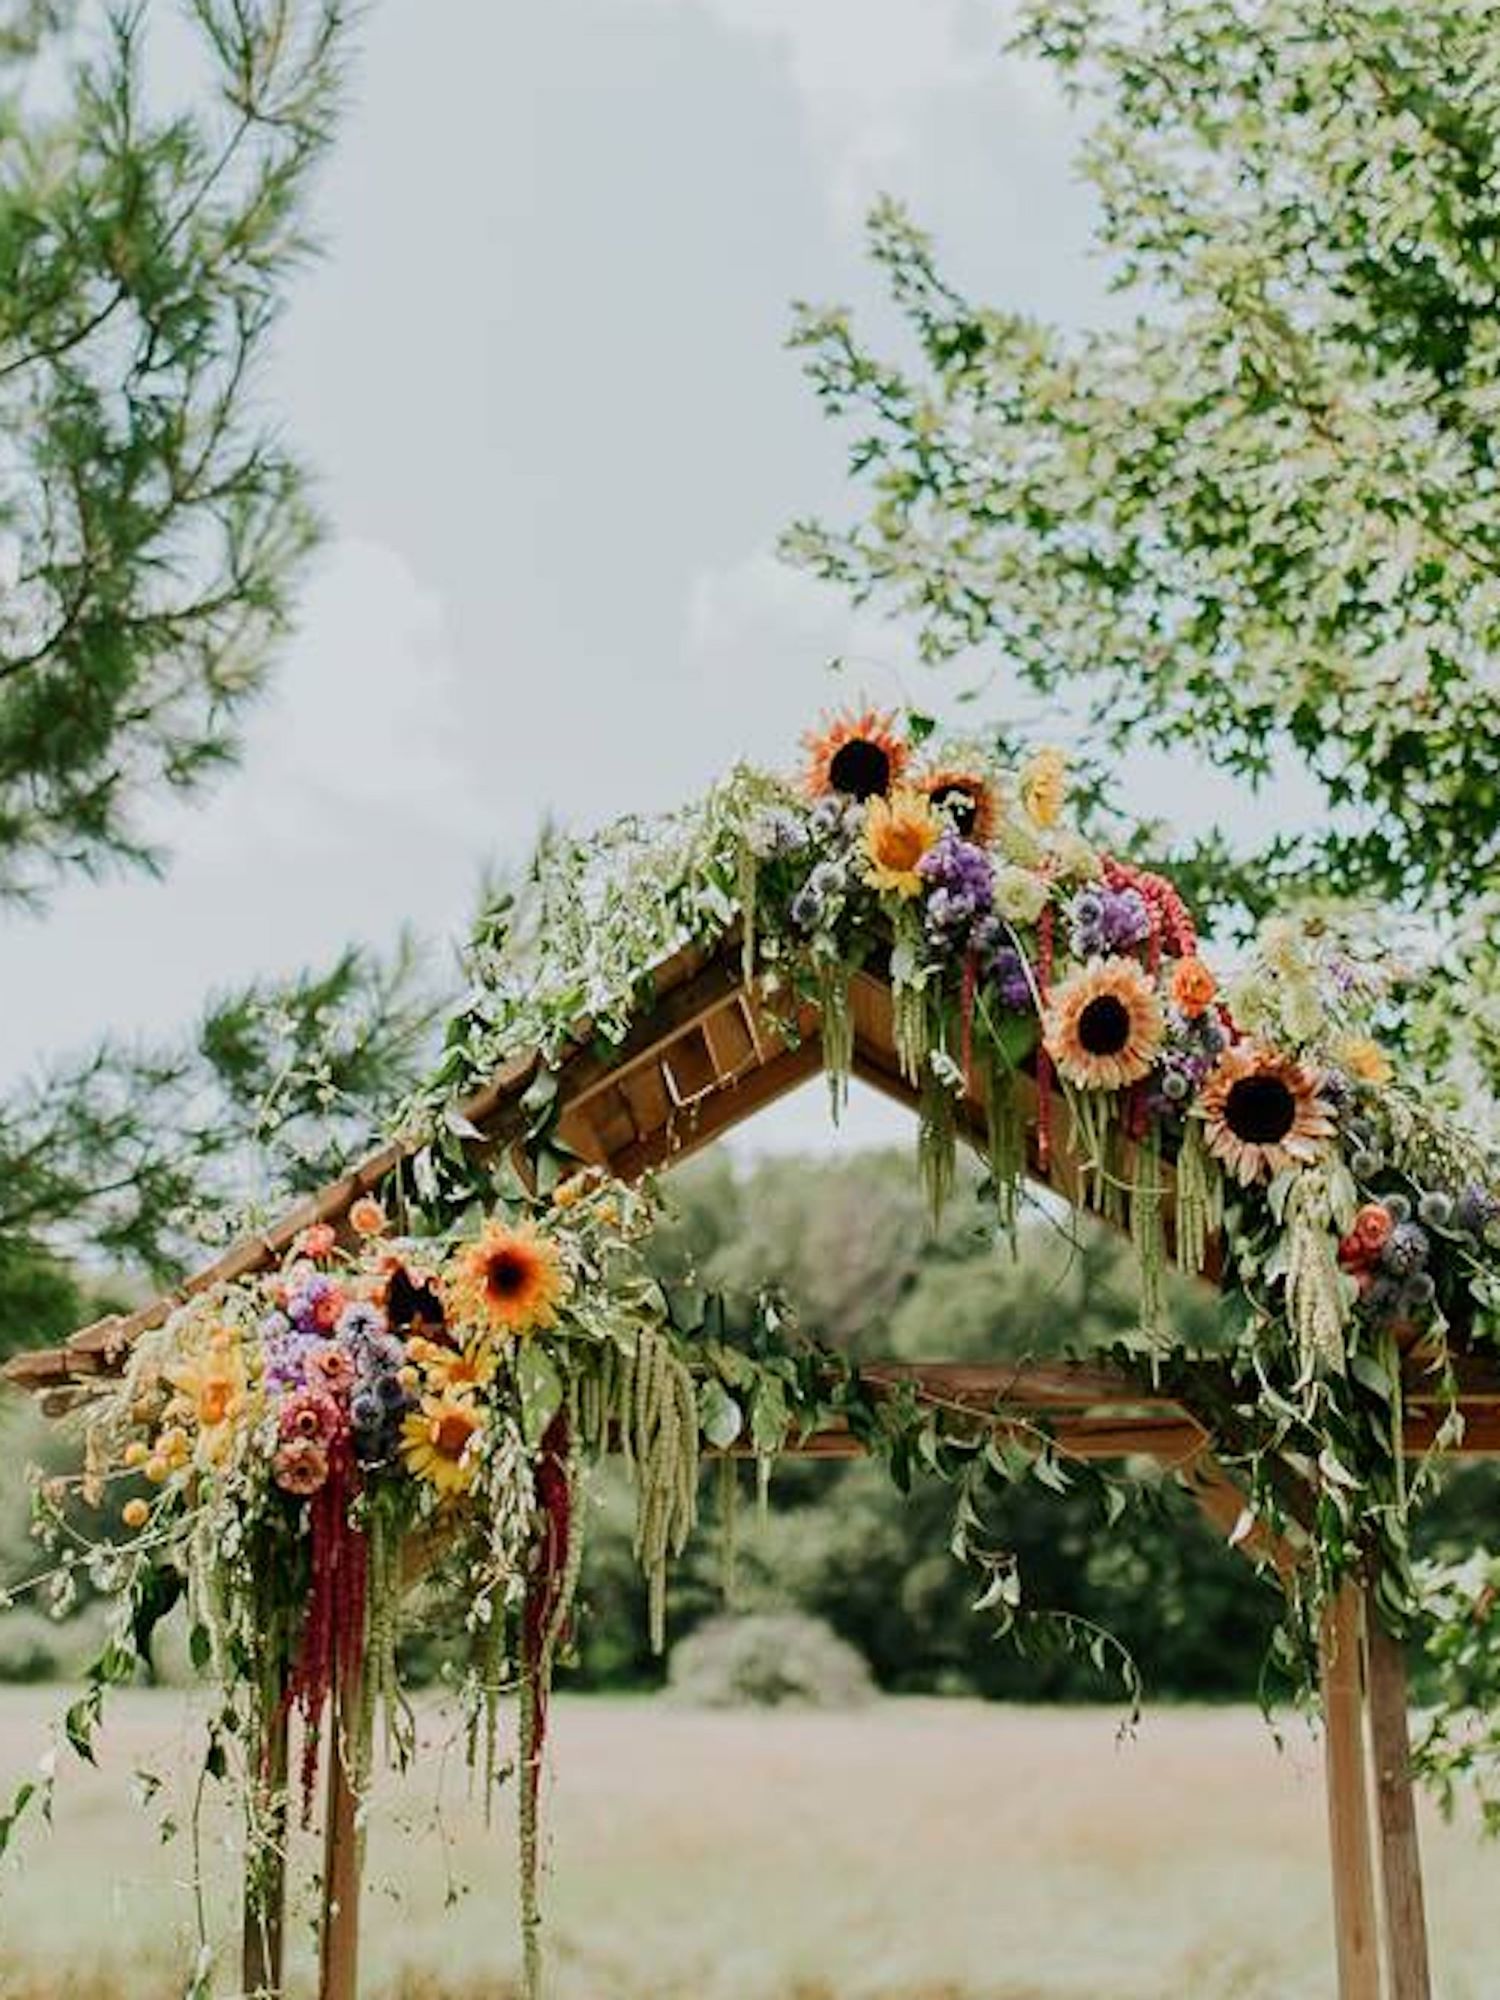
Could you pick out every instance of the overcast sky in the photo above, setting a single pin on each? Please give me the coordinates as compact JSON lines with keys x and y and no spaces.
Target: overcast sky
{"x":541,"y":372}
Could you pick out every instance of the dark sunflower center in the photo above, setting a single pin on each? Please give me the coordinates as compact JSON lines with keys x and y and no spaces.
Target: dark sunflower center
{"x":1104,"y":1026}
{"x":860,"y":769}
{"x":959,"y":805}
{"x":1261,"y":1110}
{"x":505,"y":1275}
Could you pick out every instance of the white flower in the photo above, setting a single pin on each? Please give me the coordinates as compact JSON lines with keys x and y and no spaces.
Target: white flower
{"x":1020,"y":896}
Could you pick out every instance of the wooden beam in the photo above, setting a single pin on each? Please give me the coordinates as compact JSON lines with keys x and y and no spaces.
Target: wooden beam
{"x":693,"y":1126}
{"x":1224,"y":1504}
{"x":1346,"y":1769}
{"x":265,"y":1873}
{"x":1406,"y":1958}
{"x":343,"y":1855}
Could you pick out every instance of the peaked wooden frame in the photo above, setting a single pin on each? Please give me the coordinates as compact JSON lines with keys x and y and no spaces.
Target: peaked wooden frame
{"x":702,"y":1057}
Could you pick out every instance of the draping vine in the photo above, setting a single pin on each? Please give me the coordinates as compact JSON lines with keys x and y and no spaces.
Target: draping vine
{"x":412,"y":1403}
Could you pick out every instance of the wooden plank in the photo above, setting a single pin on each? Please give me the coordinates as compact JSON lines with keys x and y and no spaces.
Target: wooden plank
{"x":644,"y":1089}
{"x":264,"y":1939}
{"x":1224,"y":1504}
{"x":1406,"y":1958}
{"x":730,"y":1042}
{"x":343,"y":1858}
{"x":1346,"y":1769}
{"x":689,"y":1066}
{"x":720,"y":1111}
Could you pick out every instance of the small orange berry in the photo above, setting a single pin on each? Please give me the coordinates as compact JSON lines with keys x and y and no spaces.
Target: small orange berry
{"x":136,"y":1453}
{"x":158,"y":1471}
{"x":135,"y":1513}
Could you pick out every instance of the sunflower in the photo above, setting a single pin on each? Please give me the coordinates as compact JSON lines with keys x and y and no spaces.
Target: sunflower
{"x":1104,"y":1026}
{"x":857,"y":756}
{"x":436,"y":1440}
{"x":898,"y":832}
{"x":510,"y":1280}
{"x":454,"y":1371}
{"x":967,"y":798}
{"x":1262,"y":1112}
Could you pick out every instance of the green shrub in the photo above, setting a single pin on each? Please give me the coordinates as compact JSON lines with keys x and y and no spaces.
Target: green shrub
{"x":766,"y":1660}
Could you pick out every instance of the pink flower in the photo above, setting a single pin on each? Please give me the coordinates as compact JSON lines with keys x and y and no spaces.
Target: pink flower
{"x":327,"y":1307}
{"x":300,"y":1466}
{"x":316,"y":1241}
{"x":330,"y":1365}
{"x":311,"y":1416}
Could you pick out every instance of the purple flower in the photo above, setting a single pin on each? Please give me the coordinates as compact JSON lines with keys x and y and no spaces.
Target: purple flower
{"x":360,"y":1322}
{"x":961,"y":888}
{"x":1475,"y":1209}
{"x":1406,"y":1249}
{"x":286,"y":1352}
{"x":1104,"y":920}
{"x":1005,"y":970}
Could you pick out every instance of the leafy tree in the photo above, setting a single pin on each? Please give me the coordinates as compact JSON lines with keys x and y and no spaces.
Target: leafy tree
{"x":153,"y":526}
{"x":1257,"y":519}
{"x":129,"y":1157}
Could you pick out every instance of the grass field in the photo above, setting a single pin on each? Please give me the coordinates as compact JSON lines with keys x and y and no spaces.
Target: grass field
{"x":916,"y":1851}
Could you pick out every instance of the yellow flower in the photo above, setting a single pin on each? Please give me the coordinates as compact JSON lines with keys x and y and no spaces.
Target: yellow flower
{"x":1044,"y":786}
{"x":1104,"y":1026}
{"x":510,"y":1280}
{"x":212,"y":1393}
{"x":453,"y":1371}
{"x":1364,"y":1058}
{"x":898,"y":832}
{"x":437,"y":1441}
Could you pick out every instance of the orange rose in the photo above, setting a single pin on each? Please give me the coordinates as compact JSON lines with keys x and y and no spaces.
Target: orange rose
{"x":1366,"y":1238}
{"x":1193,"y":987}
{"x":367,"y":1217}
{"x":316,"y":1241}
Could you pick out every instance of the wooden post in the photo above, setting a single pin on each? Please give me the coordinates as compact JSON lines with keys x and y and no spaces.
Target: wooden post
{"x":265,"y":1871}
{"x":343,"y":1856}
{"x":1396,"y":1819}
{"x":1347,"y":1766}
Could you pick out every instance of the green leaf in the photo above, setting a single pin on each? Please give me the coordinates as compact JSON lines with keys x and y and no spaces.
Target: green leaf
{"x":540,"y":1388}
{"x":719,"y":1415}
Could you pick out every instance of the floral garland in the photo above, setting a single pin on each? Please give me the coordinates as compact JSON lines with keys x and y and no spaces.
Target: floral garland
{"x":440,"y":1379}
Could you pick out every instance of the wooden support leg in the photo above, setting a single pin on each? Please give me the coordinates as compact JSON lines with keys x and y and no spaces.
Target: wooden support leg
{"x":1346,"y":1762}
{"x":265,"y":1879}
{"x":343,"y":1857}
{"x":1396,"y":1820}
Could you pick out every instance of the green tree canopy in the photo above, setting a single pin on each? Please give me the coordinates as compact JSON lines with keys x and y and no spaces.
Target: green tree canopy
{"x":152,"y":523}
{"x":1257,"y":518}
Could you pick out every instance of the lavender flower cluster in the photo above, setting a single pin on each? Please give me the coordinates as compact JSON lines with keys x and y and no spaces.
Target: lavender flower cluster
{"x":1104,"y":921}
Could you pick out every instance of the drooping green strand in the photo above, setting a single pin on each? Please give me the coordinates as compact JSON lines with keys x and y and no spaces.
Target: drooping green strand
{"x":1199,"y":1200}
{"x":937,"y":1142}
{"x":1148,"y":1235}
{"x":1007,"y":1141}
{"x":837,"y":1023}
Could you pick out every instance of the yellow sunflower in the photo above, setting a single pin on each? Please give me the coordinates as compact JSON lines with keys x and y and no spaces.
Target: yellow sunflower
{"x":455,"y":1371}
{"x":898,"y":832}
{"x":857,"y":756}
{"x":436,"y":1443}
{"x":968,"y":800}
{"x":1262,"y":1112}
{"x":510,"y":1280}
{"x":1104,"y":1026}
{"x":1364,"y":1058}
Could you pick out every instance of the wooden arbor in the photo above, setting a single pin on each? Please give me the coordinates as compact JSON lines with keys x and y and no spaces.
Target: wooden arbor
{"x":702,"y":1058}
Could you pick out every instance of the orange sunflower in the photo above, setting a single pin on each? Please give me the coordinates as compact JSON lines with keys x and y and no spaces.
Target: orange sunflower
{"x":898,"y":832}
{"x":1104,"y":1026}
{"x":510,"y":1280}
{"x":966,"y":798}
{"x":1262,"y":1112}
{"x":857,"y":756}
